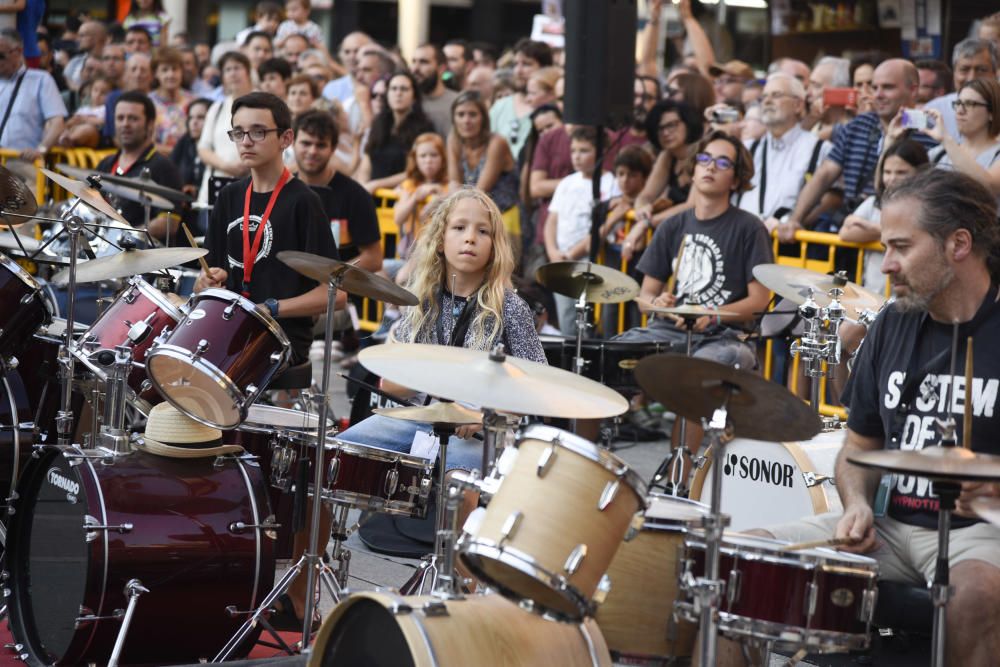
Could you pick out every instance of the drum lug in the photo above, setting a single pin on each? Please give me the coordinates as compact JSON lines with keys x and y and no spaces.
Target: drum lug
{"x":201,"y":349}
{"x":812,"y":595}
{"x":635,"y":527}
{"x":510,"y":526}
{"x":397,"y":608}
{"x":333,"y":470}
{"x":546,"y":460}
{"x":276,"y":357}
{"x":506,"y":461}
{"x":139,"y":331}
{"x":435,"y":608}
{"x":227,"y":314}
{"x":603,"y":588}
{"x":866,"y":614}
{"x":814,"y":479}
{"x":10,"y":362}
{"x":575,"y":559}
{"x":29,"y":297}
{"x":131,"y":296}
{"x":608,"y":495}
{"x":391,"y":482}
{"x":734,"y":586}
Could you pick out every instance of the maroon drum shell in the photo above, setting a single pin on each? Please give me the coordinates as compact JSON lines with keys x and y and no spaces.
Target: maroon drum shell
{"x":39,"y":372}
{"x":15,"y":440}
{"x":776,"y":592}
{"x":242,"y":346}
{"x":183,"y":547}
{"x":22,"y":307}
{"x":135,"y":303}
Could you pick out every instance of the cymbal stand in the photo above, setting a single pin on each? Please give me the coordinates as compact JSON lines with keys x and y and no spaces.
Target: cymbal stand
{"x":494,"y":425}
{"x":821,"y":341}
{"x":941,"y":589}
{"x":67,"y":370}
{"x":310,"y":560}
{"x":707,"y":590}
{"x":428,"y":568}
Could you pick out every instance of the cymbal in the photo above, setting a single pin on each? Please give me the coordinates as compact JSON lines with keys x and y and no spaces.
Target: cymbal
{"x":129,"y":263}
{"x":130,"y":193}
{"x":794,"y":284}
{"x":135,"y":183}
{"x":354,"y":279}
{"x":686,"y":310}
{"x":988,"y":509}
{"x":940,"y":463}
{"x":15,"y":197}
{"x":439,"y":414}
{"x":87,"y":194}
{"x":601,"y":283}
{"x":506,"y":385}
{"x":8,"y":241}
{"x":757,"y":408}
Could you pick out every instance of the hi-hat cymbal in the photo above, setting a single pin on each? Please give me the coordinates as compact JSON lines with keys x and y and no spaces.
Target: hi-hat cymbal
{"x":757,"y":408}
{"x":354,"y":279}
{"x":15,"y":197}
{"x":506,"y":384}
{"x":795,"y":284}
{"x":941,"y":463}
{"x":686,"y":310}
{"x":439,"y":414}
{"x":129,"y":263}
{"x":601,"y":283}
{"x":87,"y":194}
{"x":134,"y":183}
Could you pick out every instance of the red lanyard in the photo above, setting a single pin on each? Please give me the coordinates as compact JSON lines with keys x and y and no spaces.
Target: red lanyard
{"x":250,"y":254}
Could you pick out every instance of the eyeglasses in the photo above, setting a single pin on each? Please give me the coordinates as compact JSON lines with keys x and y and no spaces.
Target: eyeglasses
{"x":722,"y":163}
{"x":965,"y":105}
{"x":256,"y":134}
{"x":378,"y":96}
{"x":670,"y":126}
{"x":774,"y":96}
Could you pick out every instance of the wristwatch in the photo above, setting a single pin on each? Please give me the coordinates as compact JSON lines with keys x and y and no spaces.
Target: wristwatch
{"x":272,"y":306}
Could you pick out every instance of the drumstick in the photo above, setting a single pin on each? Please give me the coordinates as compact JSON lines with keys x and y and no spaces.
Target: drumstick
{"x":672,"y":280}
{"x":967,"y":417}
{"x":194,"y":244}
{"x":832,"y":542}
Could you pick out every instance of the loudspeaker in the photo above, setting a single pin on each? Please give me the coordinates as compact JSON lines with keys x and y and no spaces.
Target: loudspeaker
{"x":600,"y":61}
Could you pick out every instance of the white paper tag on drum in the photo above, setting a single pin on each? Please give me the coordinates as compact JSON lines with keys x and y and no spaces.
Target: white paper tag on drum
{"x":425,"y":445}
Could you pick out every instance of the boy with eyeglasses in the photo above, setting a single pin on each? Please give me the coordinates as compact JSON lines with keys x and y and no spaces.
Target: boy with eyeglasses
{"x":256,"y":218}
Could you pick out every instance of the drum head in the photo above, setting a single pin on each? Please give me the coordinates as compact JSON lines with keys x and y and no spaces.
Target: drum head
{"x":194,"y":387}
{"x":50,"y":565}
{"x":365,"y":634}
{"x":667,"y":510}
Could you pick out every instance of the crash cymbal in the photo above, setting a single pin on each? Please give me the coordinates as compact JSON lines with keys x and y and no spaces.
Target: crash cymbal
{"x":132,"y":194}
{"x":354,"y":279}
{"x":88,"y":195}
{"x":795,"y":284}
{"x":601,"y":283}
{"x":506,"y":384}
{"x":129,"y":263}
{"x":940,"y":463}
{"x":757,"y":408}
{"x":685,"y":310}
{"x":135,"y":183}
{"x":15,"y":197}
{"x":439,"y":414}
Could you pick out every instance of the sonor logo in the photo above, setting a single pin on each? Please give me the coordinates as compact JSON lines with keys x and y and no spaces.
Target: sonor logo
{"x":759,"y":470}
{"x":56,"y":479}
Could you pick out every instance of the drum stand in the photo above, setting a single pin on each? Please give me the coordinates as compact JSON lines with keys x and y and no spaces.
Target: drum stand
{"x":677,"y":485}
{"x":707,"y":590}
{"x":578,"y":362}
{"x":821,"y":340}
{"x":941,"y":589}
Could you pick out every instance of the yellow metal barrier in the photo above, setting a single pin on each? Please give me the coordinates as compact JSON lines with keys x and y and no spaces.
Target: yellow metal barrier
{"x":84,"y":158}
{"x":370,"y":314}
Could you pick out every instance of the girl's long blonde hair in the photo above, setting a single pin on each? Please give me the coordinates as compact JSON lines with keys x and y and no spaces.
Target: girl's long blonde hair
{"x":430,"y":274}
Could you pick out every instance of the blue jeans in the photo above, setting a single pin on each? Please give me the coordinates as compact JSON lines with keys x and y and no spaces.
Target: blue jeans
{"x":397,"y":435}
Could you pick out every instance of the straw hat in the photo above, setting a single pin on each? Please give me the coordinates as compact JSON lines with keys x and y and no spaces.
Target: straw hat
{"x":171,"y":433}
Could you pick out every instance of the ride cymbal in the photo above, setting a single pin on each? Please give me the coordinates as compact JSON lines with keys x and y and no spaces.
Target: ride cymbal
{"x":602,"y":284}
{"x":353,"y":279}
{"x":796,"y":284}
{"x":757,"y":408}
{"x":503,"y":384}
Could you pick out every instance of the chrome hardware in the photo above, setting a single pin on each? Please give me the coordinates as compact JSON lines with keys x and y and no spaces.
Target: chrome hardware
{"x":510,"y":526}
{"x":734,"y":586}
{"x":435,"y":608}
{"x":391,"y":482}
{"x":575,"y":559}
{"x":815,"y":479}
{"x":603,"y":588}
{"x":608,"y":495}
{"x":227,"y":314}
{"x":239,"y":527}
{"x":546,"y":460}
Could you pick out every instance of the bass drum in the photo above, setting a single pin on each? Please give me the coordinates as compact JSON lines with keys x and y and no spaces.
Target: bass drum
{"x":188,"y":529}
{"x":16,"y":434}
{"x":769,"y":483}
{"x":384,"y":630}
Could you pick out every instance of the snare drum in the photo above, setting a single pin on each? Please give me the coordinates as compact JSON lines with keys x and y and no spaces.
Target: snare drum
{"x":378,"y":628}
{"x":560,"y":511}
{"x":819,"y":599}
{"x":768,"y":483}
{"x":22,"y":307}
{"x":637,"y":618}
{"x":369,"y":478}
{"x":192,"y":531}
{"x":137,"y":316}
{"x":218,"y":359}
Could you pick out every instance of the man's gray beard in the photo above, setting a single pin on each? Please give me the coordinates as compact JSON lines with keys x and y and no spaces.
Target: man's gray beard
{"x":920,"y":303}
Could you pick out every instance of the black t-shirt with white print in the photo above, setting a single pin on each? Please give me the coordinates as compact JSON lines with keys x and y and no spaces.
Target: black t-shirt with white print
{"x":297,"y":222}
{"x":899,"y":343}
{"x":719,"y":255}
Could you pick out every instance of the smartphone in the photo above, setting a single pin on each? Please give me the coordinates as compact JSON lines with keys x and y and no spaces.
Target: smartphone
{"x":840,"y":97}
{"x":727,"y":115}
{"x":915,"y":119}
